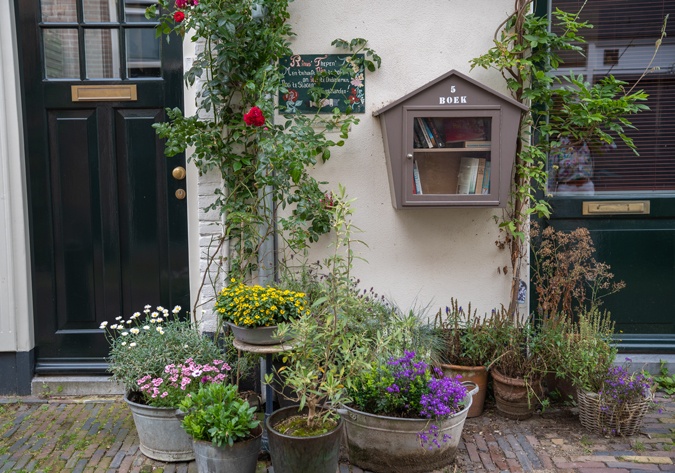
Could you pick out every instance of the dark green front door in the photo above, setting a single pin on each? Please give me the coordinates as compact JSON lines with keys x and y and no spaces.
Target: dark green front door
{"x":108,"y":231}
{"x":626,"y":201}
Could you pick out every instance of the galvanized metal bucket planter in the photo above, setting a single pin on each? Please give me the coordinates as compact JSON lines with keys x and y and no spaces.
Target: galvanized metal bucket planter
{"x":160,"y":433}
{"x":255,"y":335}
{"x":319,"y":454}
{"x":241,"y":457}
{"x":391,"y":445}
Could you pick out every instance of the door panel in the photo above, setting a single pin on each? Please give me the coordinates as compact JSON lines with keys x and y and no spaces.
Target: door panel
{"x":641,"y":252}
{"x":108,"y":234}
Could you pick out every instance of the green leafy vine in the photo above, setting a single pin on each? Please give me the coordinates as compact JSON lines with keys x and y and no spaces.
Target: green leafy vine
{"x":264,"y":162}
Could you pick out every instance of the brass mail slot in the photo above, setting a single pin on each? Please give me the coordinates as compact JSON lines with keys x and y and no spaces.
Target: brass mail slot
{"x":98,"y":93}
{"x":616,"y":207}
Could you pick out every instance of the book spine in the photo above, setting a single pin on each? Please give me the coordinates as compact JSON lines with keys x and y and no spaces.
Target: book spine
{"x":485,"y":189}
{"x":478,"y":186}
{"x":420,"y":136}
{"x":423,"y":128}
{"x":466,"y":178}
{"x":472,"y":176}
{"x":416,"y":179}
{"x":478,"y":144}
{"x":434,"y":132}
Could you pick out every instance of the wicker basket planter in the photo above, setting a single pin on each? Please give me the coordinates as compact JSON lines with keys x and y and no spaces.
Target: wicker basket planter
{"x":624,"y":422}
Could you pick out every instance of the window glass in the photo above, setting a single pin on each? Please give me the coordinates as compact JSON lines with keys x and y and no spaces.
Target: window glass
{"x":134,"y":10}
{"x":59,"y":11}
{"x":62,"y":57}
{"x":143,"y":53}
{"x":622,"y":43}
{"x":102,"y":53}
{"x":99,"y":11}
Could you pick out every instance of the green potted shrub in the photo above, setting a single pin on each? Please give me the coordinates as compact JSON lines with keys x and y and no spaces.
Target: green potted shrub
{"x":466,"y":349}
{"x":335,"y":341}
{"x":326,"y":354}
{"x":225,"y":432}
{"x":141,"y":347}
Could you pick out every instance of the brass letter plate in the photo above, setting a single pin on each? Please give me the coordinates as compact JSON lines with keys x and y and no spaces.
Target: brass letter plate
{"x":99,"y":93}
{"x":616,"y":207}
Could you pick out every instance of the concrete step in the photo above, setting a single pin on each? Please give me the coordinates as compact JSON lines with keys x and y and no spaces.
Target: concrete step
{"x":46,"y":386}
{"x":647,"y":362}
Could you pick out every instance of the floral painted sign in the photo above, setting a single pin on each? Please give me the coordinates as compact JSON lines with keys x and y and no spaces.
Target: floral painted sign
{"x":339,"y":75}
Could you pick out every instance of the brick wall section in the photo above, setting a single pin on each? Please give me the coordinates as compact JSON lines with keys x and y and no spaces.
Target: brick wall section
{"x":210,"y":231}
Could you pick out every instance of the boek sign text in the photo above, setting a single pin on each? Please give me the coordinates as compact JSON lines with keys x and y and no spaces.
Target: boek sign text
{"x":452,"y":99}
{"x":336,"y":73}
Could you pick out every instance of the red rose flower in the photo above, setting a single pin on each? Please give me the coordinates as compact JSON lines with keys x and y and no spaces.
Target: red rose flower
{"x":254,"y":117}
{"x":178,"y":16}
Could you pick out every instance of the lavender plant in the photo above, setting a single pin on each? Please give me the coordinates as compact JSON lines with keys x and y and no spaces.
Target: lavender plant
{"x":408,"y":387}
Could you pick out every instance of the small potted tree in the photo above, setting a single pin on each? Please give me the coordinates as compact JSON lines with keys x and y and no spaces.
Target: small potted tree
{"x":326,"y":354}
{"x":338,"y":339}
{"x":226,"y":433}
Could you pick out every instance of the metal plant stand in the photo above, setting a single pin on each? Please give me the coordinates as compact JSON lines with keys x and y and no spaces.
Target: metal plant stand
{"x":267,"y":351}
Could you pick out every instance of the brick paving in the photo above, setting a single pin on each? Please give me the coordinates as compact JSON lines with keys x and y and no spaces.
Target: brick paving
{"x":78,"y":435}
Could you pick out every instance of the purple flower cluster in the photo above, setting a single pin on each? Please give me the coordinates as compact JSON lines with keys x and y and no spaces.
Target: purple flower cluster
{"x":621,"y":386}
{"x":620,"y":398}
{"x":444,"y":397}
{"x":428,"y":392}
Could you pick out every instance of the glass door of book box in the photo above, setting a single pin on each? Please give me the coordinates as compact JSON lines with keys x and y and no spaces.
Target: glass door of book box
{"x":452,"y":157}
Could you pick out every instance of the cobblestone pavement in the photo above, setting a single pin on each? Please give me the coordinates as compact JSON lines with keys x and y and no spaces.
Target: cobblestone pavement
{"x":98,"y":436}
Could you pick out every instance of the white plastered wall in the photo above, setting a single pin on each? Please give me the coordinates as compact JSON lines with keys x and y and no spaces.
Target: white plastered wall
{"x":16,"y":316}
{"x":415,"y":256}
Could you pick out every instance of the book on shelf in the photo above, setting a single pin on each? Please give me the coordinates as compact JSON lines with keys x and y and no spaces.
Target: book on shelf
{"x":419,"y":136}
{"x":416,"y":141}
{"x":417,"y":189}
{"x":485,"y":188}
{"x":431,"y":127}
{"x":466,"y":178}
{"x":425,"y":132}
{"x":469,"y":144}
{"x":480,"y":173}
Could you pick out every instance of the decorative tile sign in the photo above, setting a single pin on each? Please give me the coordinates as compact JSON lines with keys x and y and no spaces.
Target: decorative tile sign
{"x":302,"y":72}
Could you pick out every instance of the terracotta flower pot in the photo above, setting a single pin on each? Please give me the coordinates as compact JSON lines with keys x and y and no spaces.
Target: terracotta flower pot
{"x":475,"y":374}
{"x":512,"y":395}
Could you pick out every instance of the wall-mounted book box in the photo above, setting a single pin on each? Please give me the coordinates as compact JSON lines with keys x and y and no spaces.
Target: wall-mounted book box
{"x":450,"y":143}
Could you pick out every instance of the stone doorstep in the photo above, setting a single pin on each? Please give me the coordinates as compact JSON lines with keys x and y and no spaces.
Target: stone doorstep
{"x":56,"y":386}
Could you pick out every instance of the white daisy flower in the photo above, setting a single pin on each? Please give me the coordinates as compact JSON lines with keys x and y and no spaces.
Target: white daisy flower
{"x":103,"y":324}
{"x":124,"y":343}
{"x":176,"y":309}
{"x":134,"y":330}
{"x":148,"y":306}
{"x":124,"y":334}
{"x":146,"y":327}
{"x":132,"y":344}
{"x":119,"y":317}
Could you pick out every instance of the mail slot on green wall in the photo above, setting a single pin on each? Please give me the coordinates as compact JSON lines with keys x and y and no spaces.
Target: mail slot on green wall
{"x":450,"y":143}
